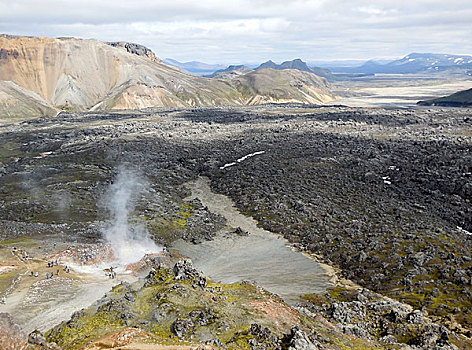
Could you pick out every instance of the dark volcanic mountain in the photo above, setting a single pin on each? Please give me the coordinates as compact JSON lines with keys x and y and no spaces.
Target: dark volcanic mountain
{"x":297,"y":64}
{"x":459,"y":99}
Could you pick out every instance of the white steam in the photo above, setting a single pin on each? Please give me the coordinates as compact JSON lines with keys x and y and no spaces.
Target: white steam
{"x":129,"y":241}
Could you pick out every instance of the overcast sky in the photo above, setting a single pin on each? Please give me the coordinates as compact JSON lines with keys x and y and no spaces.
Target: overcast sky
{"x":251,"y":31}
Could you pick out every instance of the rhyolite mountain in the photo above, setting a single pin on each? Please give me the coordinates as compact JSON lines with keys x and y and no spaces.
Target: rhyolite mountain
{"x":458,"y":99}
{"x":415,"y":63}
{"x":41,"y":76}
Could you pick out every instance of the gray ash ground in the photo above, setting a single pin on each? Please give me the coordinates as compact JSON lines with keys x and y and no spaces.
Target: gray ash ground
{"x":384,"y":194}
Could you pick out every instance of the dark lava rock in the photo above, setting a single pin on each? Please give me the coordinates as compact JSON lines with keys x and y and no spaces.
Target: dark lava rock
{"x":202,"y":317}
{"x":184,"y":269}
{"x":130,"y":297}
{"x":216,"y":342}
{"x":181,"y":327}
{"x":299,"y":340}
{"x":37,"y":338}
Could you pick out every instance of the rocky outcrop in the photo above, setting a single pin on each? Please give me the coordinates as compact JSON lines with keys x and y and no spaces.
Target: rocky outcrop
{"x":11,"y":335}
{"x":184,"y":270}
{"x":369,"y":315}
{"x":299,"y":340}
{"x":136,"y":49}
{"x":37,"y":339}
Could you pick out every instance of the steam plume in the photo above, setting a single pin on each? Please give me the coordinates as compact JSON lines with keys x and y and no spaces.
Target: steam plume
{"x":129,"y":241}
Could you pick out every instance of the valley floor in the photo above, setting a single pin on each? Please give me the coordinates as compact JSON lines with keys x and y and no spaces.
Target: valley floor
{"x":396,"y":89}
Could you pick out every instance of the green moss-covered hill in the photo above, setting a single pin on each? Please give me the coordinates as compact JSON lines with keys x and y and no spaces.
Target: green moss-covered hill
{"x":181,"y":307}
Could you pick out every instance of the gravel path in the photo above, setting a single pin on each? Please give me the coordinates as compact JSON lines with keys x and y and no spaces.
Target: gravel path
{"x":260,"y":256}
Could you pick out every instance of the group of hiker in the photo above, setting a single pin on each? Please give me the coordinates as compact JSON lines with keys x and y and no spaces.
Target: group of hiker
{"x":51,"y":264}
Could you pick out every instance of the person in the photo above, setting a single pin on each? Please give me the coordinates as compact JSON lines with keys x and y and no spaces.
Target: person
{"x":36,"y":274}
{"x":47,"y":275}
{"x":57,"y":263}
{"x":32,"y":274}
{"x":49,"y":264}
{"x":4,"y":299}
{"x":57,"y":273}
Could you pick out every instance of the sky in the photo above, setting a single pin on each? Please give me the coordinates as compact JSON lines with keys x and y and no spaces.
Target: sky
{"x":253,"y":31}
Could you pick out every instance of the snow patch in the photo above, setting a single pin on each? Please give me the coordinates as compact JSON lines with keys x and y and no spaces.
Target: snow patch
{"x":242,"y":159}
{"x":464,"y":231}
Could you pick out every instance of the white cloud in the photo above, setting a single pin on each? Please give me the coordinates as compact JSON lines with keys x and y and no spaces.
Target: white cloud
{"x":253,"y":30}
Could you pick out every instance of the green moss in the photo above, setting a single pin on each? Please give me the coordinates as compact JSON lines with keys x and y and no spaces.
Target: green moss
{"x":337,"y":293}
{"x":316,"y":299}
{"x":85,"y":329}
{"x":16,"y":241}
{"x":6,"y":279}
{"x":240,"y":340}
{"x":233,"y":308}
{"x":10,"y":150}
{"x":180,"y":221}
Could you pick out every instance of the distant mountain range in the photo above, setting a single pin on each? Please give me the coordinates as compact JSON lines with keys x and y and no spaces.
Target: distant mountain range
{"x":41,"y":76}
{"x":233,"y":71}
{"x":194,"y":67}
{"x":459,"y":99}
{"x":415,"y":63}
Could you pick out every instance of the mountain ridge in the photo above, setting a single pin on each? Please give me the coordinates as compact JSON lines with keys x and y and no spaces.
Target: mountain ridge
{"x":231,"y":72}
{"x":414,"y":63}
{"x":297,"y":64}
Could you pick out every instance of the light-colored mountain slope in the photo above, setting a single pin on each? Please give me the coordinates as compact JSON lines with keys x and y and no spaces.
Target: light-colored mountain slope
{"x":290,"y":85}
{"x":78,"y":74}
{"x":17,"y":102}
{"x":231,"y":72}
